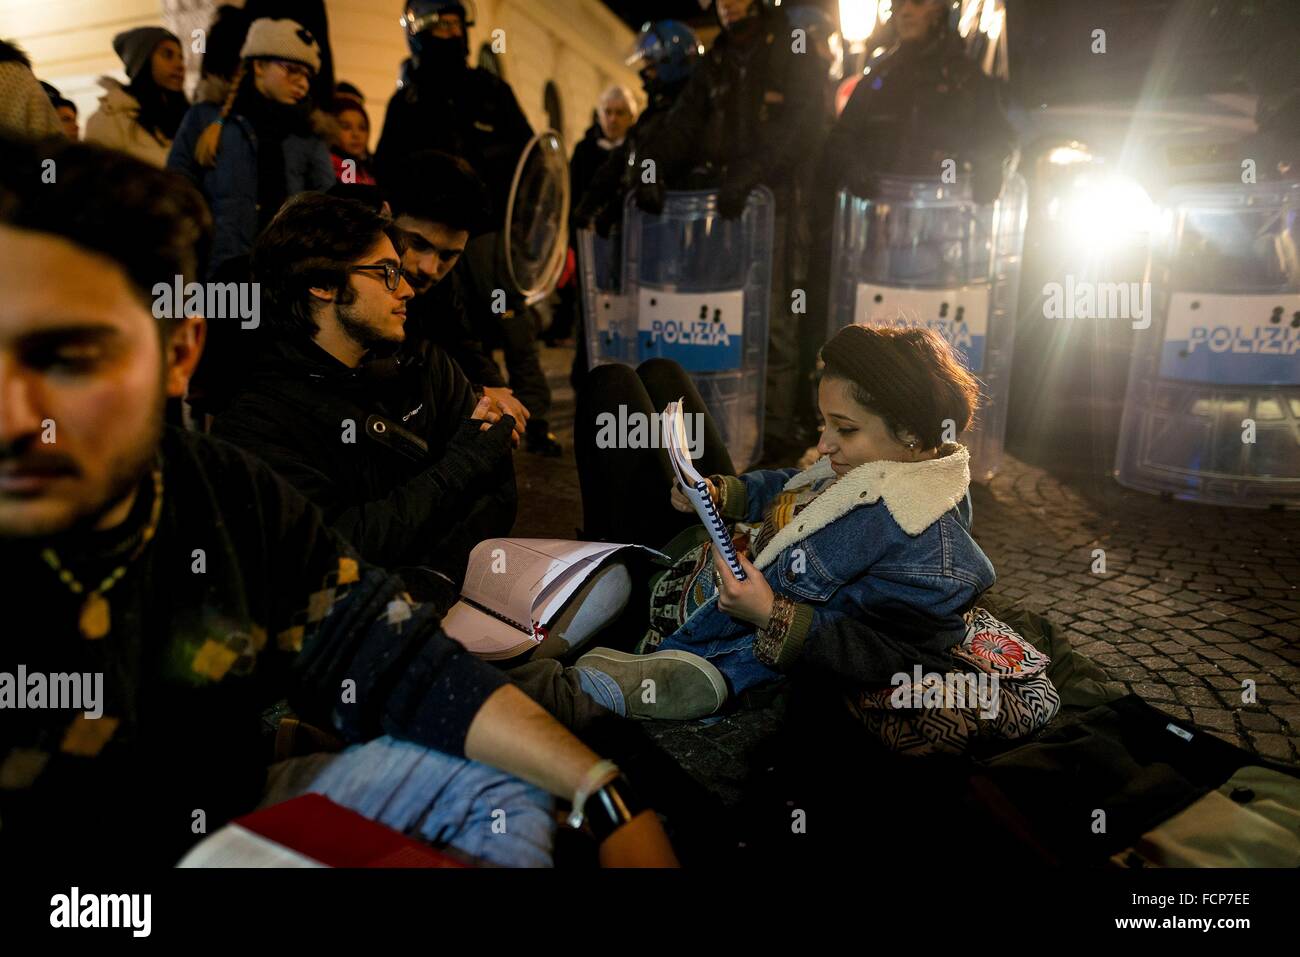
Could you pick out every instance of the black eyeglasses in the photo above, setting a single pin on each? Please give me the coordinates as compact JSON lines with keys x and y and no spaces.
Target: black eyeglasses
{"x":392,"y":274}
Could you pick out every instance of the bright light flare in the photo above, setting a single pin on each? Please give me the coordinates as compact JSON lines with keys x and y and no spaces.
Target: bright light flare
{"x":1104,"y":211}
{"x":857,"y":19}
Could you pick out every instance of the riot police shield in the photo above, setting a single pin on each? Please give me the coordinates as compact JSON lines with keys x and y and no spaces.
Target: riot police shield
{"x":609,"y":319}
{"x":1212,"y":410}
{"x":536,"y":232}
{"x":699,"y":288}
{"x":923,"y":253}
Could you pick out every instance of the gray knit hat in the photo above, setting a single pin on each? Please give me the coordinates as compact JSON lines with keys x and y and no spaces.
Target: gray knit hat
{"x":135,"y":47}
{"x":281,"y":40}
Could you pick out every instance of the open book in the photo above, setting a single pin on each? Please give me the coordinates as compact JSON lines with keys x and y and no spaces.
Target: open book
{"x":673,"y":424}
{"x":515,"y":588}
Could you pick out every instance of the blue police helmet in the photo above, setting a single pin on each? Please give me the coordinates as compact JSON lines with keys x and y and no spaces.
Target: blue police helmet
{"x":420,"y":16}
{"x":670,"y":47}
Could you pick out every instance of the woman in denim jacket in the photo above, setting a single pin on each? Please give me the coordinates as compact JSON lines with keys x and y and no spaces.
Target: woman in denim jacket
{"x":256,"y":150}
{"x":873,"y":541}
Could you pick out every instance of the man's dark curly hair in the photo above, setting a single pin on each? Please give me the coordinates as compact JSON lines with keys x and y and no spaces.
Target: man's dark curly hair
{"x":438,"y":187}
{"x":311,"y":243}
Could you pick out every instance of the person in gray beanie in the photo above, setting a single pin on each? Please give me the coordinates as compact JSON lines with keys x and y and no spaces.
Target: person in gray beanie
{"x":141,"y":118}
{"x":257,"y":149}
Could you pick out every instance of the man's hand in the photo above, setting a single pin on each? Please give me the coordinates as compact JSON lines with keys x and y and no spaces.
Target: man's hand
{"x":641,"y":842}
{"x":650,"y":197}
{"x":683,"y":504}
{"x":750,"y":600}
{"x":496,"y":403}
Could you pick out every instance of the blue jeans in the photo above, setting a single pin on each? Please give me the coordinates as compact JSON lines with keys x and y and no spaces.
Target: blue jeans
{"x":734,"y":657}
{"x":430,"y":796}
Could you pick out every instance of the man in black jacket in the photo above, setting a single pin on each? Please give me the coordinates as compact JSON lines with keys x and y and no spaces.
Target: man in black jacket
{"x":752,"y":115}
{"x":404,"y":460}
{"x":439,"y":203}
{"x":445,"y":104}
{"x":922,"y":103}
{"x":189,"y":588}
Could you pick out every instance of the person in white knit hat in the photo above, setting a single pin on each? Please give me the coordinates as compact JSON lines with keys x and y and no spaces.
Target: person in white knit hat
{"x":257,"y":149}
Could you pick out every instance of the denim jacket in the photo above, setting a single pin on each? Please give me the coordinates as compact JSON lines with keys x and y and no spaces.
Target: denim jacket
{"x":231,"y":185}
{"x":887,"y":546}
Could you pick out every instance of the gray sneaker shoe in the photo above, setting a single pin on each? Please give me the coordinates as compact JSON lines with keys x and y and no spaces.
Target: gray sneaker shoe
{"x":668,"y":685}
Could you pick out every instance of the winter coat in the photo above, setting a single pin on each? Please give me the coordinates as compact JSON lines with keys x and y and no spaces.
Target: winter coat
{"x":919,"y":106}
{"x":400,"y":504}
{"x":887,"y":546}
{"x":231,"y":185}
{"x":25,"y":109}
{"x":115,"y":124}
{"x":750,"y":114}
{"x":476,"y":118}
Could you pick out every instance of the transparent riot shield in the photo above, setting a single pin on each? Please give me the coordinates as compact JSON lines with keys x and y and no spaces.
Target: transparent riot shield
{"x":700,"y":287}
{"x":608,"y":313}
{"x":924,"y":253}
{"x":536,"y":232}
{"x":1212,"y":411}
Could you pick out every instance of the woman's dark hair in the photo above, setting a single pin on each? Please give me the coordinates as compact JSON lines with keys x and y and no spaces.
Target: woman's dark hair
{"x":161,"y":111}
{"x":437,"y":187}
{"x":153,"y":223}
{"x":311,"y":242}
{"x":910,"y":377}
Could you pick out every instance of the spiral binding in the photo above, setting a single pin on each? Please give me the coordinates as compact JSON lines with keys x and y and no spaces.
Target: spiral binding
{"x":720,"y":526}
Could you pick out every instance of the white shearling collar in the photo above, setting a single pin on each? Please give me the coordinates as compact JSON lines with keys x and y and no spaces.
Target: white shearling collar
{"x":917,"y":494}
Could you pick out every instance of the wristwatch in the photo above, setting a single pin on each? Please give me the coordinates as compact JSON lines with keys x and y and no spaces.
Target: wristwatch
{"x":606,"y":809}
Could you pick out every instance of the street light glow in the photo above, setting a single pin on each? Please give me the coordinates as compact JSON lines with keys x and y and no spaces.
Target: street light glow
{"x":857,"y":19}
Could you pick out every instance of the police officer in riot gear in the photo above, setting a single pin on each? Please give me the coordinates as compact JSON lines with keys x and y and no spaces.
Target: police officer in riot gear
{"x":753,"y":113}
{"x":443,"y":103}
{"x":920,"y":104}
{"x":665,"y":56}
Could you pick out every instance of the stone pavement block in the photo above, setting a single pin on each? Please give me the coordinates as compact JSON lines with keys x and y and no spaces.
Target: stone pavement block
{"x":1259,"y":721}
{"x":1151,"y":691}
{"x":1211,"y":717}
{"x":1275,"y":746}
{"x":1201,"y":697}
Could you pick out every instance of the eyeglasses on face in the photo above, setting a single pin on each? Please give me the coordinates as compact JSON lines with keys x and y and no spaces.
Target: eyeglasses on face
{"x":294,"y":69}
{"x":392,"y":274}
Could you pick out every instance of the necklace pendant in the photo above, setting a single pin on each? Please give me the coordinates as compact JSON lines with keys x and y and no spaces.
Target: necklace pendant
{"x":94,"y":619}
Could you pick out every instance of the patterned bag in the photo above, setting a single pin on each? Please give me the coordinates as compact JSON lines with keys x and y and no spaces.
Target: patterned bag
{"x":997,"y":688}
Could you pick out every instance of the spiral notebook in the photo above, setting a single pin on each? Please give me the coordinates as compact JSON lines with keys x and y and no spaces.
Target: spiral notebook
{"x":673,"y":425}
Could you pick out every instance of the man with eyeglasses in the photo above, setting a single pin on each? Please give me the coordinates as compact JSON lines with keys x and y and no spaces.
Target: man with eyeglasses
{"x":393,"y":445}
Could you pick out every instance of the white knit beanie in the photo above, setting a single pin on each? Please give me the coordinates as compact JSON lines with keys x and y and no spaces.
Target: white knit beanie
{"x":281,"y":40}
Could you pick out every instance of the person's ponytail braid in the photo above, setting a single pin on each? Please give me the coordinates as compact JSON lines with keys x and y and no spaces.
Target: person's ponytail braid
{"x":209,"y":141}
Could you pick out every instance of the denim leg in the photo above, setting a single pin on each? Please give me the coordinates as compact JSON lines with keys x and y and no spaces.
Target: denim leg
{"x":603,"y":689}
{"x":734,"y":657}
{"x":429,"y":795}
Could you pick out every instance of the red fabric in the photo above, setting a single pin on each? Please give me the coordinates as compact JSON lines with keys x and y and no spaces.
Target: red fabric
{"x":337,"y":837}
{"x":363,"y":177}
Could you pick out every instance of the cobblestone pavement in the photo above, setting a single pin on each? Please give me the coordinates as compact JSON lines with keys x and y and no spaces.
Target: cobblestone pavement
{"x":1194,"y":601}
